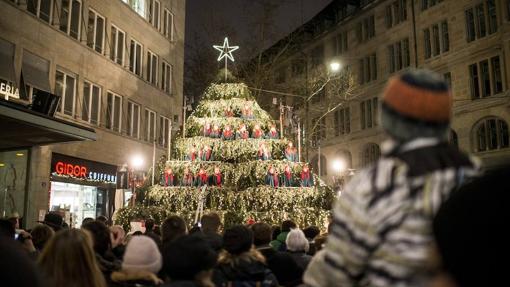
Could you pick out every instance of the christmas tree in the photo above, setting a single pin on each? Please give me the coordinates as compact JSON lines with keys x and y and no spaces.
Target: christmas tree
{"x":232,"y":160}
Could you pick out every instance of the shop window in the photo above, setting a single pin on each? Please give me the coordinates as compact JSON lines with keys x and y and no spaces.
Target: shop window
{"x":371,"y":153}
{"x":96,"y":31}
{"x":150,"y":126}
{"x":13,"y":179}
{"x":113,"y":112}
{"x":152,"y":68}
{"x":135,"y":58}
{"x":166,"y":78}
{"x":164,"y":126}
{"x":91,"y":103}
{"x":133,"y":120}
{"x":65,"y":87}
{"x":118,"y":38}
{"x":168,"y":24}
{"x":486,"y":78}
{"x":70,"y":17}
{"x":491,"y":134}
{"x":41,"y":9}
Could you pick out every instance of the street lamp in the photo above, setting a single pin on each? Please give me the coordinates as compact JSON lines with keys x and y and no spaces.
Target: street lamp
{"x":339,"y":166}
{"x":335,"y":66}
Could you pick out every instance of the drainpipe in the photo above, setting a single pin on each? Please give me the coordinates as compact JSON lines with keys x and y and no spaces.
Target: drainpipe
{"x":415,"y":40}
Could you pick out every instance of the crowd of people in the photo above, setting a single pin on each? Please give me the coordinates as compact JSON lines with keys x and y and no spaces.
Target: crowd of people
{"x":422,"y":215}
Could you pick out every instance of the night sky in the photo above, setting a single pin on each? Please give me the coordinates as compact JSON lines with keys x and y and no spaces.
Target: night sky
{"x":208,"y":21}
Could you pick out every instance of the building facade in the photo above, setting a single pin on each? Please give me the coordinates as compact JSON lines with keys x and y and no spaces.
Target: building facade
{"x":118,"y":67}
{"x":464,"y":40}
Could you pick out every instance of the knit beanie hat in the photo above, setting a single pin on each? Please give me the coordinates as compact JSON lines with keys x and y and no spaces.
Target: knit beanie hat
{"x":142,"y":254}
{"x":187,"y":256}
{"x":415,"y":104}
{"x":238,"y":239}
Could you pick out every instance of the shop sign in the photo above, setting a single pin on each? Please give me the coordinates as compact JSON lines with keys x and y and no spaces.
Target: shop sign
{"x":9,"y":91}
{"x":67,"y":166}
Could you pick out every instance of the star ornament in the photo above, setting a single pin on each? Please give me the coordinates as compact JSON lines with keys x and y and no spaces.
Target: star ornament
{"x":226,"y":50}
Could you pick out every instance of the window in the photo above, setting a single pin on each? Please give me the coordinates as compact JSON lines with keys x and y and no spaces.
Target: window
{"x":486,"y":78}
{"x":95,"y":31}
{"x":168,"y":24}
{"x":425,"y":4}
{"x":41,"y":9}
{"x":166,"y":78}
{"x":70,"y":17}
{"x":342,"y":121}
{"x":164,"y":128}
{"x":297,"y":67}
{"x":368,"y":69}
{"x":113,"y":112}
{"x":369,"y":113}
{"x":154,"y":13}
{"x":65,"y":87}
{"x":453,"y":139}
{"x":317,"y":56}
{"x":491,"y":134}
{"x":396,"y":13}
{"x":91,"y":104}
{"x":365,"y":30}
{"x":152,"y":68}
{"x":150,"y":126}
{"x":133,"y":120}
{"x":135,"y":58}
{"x":340,"y":42}
{"x":371,"y":153}
{"x":481,"y":20}
{"x":117,"y":45}
{"x":448,"y":78}
{"x":399,"y":55}
{"x":439,"y":43}
{"x":323,"y":170}
{"x":138,"y":6}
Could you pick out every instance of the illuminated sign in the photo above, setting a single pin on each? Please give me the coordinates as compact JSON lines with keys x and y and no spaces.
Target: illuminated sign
{"x":67,"y":166}
{"x":9,"y":91}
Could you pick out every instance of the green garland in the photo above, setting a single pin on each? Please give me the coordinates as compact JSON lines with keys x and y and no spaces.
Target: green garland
{"x":227,"y":91}
{"x":195,"y":126}
{"x":217,"y":108}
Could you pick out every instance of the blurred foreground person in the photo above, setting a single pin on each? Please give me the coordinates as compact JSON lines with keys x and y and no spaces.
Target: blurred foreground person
{"x":211,"y":225}
{"x":142,"y":261}
{"x":41,"y":234}
{"x":381,"y":230}
{"x":16,"y":268}
{"x":189,"y":261}
{"x":172,"y":228}
{"x":470,"y":234}
{"x":68,"y":260}
{"x":298,"y":246}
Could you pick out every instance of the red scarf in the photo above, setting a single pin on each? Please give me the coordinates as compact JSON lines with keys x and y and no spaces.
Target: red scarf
{"x":288,"y":175}
{"x":305,"y":174}
{"x":227,"y":133}
{"x":218,"y":179}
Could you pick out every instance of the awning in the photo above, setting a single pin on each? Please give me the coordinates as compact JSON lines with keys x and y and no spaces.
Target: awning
{"x":23,"y":128}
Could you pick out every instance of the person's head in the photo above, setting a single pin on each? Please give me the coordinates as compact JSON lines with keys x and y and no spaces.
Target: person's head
{"x":261,"y":233}
{"x":16,"y":268}
{"x":287,"y":225}
{"x":172,"y":228}
{"x":68,"y":256}
{"x":189,"y":258}
{"x":87,"y":220}
{"x":100,"y":236}
{"x":238,"y":239}
{"x":149,"y":224}
{"x":472,"y":223}
{"x":103,"y":219}
{"x":276,"y":231}
{"x":142,"y":254}
{"x":41,"y":234}
{"x":415,"y":104}
{"x":211,"y":223}
{"x":296,"y":241}
{"x":54,"y":220}
{"x":311,"y":232}
{"x":7,"y":229}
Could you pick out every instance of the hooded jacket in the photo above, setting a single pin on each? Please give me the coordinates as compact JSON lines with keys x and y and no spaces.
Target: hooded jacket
{"x":244,"y":271}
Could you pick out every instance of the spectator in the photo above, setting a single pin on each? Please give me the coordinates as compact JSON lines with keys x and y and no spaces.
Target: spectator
{"x":87,"y":220}
{"x":16,"y":268}
{"x":279,"y":243}
{"x":211,"y":224}
{"x":470,"y":224}
{"x":298,"y":246}
{"x":142,"y":261}
{"x":103,"y":219}
{"x":102,"y":240}
{"x":7,"y":229}
{"x":189,"y":261}
{"x":240,"y":264}
{"x":311,"y":232}
{"x":381,"y":231}
{"x":41,"y":234}
{"x":118,"y":235}
{"x":281,"y":264}
{"x":54,"y":220}
{"x":68,"y":260}
{"x":172,"y":228}
{"x":149,"y":231}
{"x":276,"y":231}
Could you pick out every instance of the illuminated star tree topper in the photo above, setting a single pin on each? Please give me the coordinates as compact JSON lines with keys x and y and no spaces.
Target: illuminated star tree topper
{"x":226,"y":53}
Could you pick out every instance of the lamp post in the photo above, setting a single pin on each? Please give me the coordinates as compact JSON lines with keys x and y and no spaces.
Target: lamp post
{"x":135,"y":164}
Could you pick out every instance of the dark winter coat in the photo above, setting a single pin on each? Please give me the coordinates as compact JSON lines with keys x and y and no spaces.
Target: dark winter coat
{"x":244,"y":273}
{"x":135,"y":279}
{"x":108,"y":267}
{"x":283,"y":266}
{"x":181,"y":284}
{"x":301,"y":258}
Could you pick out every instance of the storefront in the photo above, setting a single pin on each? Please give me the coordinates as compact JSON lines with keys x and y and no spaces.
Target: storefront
{"x":81,"y":188}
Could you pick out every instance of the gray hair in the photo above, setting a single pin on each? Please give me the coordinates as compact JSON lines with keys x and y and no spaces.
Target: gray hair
{"x":296,"y":241}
